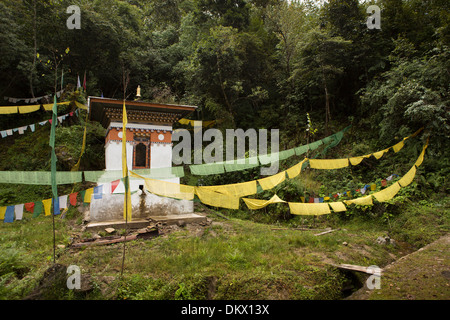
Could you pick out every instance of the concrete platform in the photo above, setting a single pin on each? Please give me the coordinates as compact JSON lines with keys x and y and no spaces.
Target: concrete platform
{"x":142,"y":223}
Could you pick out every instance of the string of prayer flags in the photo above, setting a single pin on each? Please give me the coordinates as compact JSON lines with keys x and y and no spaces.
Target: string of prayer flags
{"x":33,"y":100}
{"x":21,"y":130}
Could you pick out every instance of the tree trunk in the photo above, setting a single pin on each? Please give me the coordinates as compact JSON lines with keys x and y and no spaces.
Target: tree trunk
{"x":35,"y":49}
{"x":327,"y":100}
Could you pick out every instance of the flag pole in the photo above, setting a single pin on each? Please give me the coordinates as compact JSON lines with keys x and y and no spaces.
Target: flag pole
{"x":53,"y":173}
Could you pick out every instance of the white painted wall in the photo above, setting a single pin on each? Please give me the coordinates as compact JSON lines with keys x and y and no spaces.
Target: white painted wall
{"x":113,"y":155}
{"x":160,"y":155}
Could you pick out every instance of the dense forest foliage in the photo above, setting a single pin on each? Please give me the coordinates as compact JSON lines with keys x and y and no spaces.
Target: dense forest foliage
{"x":250,"y":63}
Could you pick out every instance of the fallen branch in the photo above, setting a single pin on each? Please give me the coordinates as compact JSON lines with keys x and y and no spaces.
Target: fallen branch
{"x":325,"y":232}
{"x":301,"y":229}
{"x":153,"y":232}
{"x":101,"y":242}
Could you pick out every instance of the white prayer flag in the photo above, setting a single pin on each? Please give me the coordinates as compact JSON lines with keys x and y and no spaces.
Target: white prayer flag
{"x":18,"y":210}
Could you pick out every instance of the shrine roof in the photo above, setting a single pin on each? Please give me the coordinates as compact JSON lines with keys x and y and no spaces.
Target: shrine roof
{"x":106,"y":110}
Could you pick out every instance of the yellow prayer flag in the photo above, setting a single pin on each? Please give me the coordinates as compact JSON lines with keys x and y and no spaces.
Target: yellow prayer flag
{"x":356,"y":160}
{"x":272,"y":181}
{"x":416,"y":133}
{"x":184,"y":121}
{"x":255,"y":204}
{"x":88,"y":195}
{"x":337,"y":206}
{"x":379,"y":154}
{"x":167,"y":189}
{"x":2,"y":213}
{"x":237,"y":189}
{"x":8,"y":110}
{"x":49,"y":106}
{"x":79,"y":105}
{"x":29,"y":109}
{"x":127,"y":197}
{"x":373,"y":187}
{"x":328,"y":163}
{"x":47,"y":206}
{"x":363,"y":201}
{"x":309,"y":209}
{"x":408,"y":177}
{"x":421,"y":156}
{"x":295,"y":170}
{"x":388,"y":193}
{"x":397,"y":147}
{"x":216,"y":199}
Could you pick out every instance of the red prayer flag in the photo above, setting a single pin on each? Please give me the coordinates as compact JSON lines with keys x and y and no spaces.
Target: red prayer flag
{"x":114,"y":185}
{"x":73,"y":198}
{"x":311,"y":200}
{"x":29,"y":206}
{"x":84,"y":81}
{"x":384,"y":182}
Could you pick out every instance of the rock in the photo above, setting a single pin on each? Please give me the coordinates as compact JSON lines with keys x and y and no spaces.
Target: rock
{"x":96,"y":236}
{"x":345,"y":243}
{"x":61,"y":246}
{"x":86,"y":283}
{"x":110,"y":230}
{"x":181,"y":223}
{"x":382,"y":240}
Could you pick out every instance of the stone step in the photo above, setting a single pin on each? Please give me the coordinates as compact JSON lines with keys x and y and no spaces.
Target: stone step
{"x":142,"y":223}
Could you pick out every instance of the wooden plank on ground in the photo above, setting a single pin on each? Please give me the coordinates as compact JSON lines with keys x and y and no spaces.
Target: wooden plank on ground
{"x":351,"y":267}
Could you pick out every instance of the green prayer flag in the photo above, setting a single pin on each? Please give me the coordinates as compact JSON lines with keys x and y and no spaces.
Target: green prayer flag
{"x":38,"y":208}
{"x":301,"y":150}
{"x":208,"y":168}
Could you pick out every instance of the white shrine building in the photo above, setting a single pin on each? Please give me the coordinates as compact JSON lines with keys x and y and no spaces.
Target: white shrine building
{"x":149,"y":146}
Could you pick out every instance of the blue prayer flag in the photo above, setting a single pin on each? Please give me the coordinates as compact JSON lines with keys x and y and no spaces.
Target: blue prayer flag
{"x":9,"y":215}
